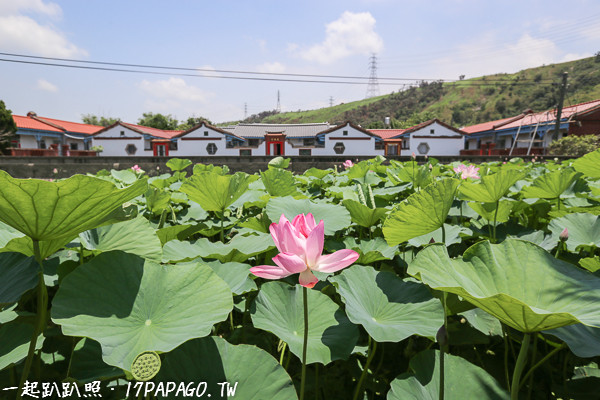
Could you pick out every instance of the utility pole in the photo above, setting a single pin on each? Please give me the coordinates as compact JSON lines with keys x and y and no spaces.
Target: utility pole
{"x":561,"y":100}
{"x":245,"y":110}
{"x":373,"y":86}
{"x":330,"y":101}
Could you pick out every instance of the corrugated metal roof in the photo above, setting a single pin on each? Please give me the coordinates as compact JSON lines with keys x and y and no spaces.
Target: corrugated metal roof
{"x":289,"y":130}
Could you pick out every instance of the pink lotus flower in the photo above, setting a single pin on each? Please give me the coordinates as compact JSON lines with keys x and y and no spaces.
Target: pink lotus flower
{"x":413,"y":155}
{"x":136,"y":168}
{"x":564,"y":235}
{"x":348,"y":164}
{"x":467,"y":171}
{"x":300,"y":243}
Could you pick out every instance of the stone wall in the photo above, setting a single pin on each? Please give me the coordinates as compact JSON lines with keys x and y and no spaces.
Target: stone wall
{"x":43,"y":167}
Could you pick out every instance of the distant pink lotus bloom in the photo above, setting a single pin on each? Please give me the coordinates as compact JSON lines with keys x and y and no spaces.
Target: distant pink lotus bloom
{"x":55,"y":171}
{"x":467,"y":171}
{"x":413,"y":155}
{"x":348,"y":164}
{"x":136,"y":168}
{"x":300,"y":244}
{"x":564,"y":235}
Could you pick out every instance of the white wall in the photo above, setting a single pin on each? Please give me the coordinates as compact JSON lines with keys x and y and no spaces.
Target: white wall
{"x":356,"y":143}
{"x":442,"y":142}
{"x":195,"y":143}
{"x":116,"y":146}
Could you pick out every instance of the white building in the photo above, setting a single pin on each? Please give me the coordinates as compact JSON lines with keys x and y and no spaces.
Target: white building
{"x":123,"y":139}
{"x":206,"y":140}
{"x":431,"y":138}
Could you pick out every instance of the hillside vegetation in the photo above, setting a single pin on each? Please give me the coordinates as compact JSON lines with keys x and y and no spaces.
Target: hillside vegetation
{"x":462,"y":103}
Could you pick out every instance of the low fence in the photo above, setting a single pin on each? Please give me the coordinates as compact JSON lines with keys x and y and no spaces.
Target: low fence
{"x":44,"y":167}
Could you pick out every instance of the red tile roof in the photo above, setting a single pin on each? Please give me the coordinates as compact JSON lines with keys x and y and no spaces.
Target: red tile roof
{"x":73,"y":126}
{"x":486,"y":126}
{"x":54,"y":125}
{"x":387,"y":133}
{"x":30,"y":123}
{"x":165,"y":134}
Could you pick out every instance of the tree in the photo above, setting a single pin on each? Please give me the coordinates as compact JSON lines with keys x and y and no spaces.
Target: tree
{"x":159,"y":121}
{"x":193,"y":121}
{"x":8,"y":128}
{"x":574,"y":146}
{"x":91,"y":119}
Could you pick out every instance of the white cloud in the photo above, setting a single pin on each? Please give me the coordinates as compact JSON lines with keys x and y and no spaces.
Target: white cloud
{"x":486,"y":56}
{"x":20,"y":33}
{"x":352,"y":33}
{"x":43,"y":84}
{"x":11,"y":7}
{"x":174,"y":89}
{"x":272,"y":67}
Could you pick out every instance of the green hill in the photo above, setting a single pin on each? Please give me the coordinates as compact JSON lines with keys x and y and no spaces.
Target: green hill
{"x":464,"y":102}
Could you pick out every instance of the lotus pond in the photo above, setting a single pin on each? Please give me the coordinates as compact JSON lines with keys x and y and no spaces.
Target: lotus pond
{"x":414,"y":281}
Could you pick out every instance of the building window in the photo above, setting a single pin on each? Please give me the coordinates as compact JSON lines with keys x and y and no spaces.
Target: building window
{"x":130,"y":149}
{"x":74,"y":146}
{"x":345,"y":133}
{"x":379,"y":145}
{"x":432,"y":131}
{"x":122,"y":133}
{"x":392,"y":150}
{"x":211,"y":148}
{"x":423,"y":148}
{"x":173,"y":145}
{"x":405,"y":145}
{"x":304,"y":152}
{"x":42,"y":144}
{"x":205,"y":133}
{"x":339,"y":148}
{"x":308,"y":142}
{"x":245,"y":152}
{"x":147,"y":144}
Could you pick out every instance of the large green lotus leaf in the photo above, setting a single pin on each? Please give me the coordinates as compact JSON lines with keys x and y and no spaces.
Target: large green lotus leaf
{"x":135,"y":236}
{"x":334,"y":216}
{"x":592,"y":264}
{"x":369,"y":250}
{"x":178,"y":164}
{"x":157,"y":200}
{"x":14,"y":342}
{"x":252,"y":372}
{"x":239,"y":249}
{"x":551,"y":185}
{"x":51,"y":210}
{"x":583,"y":228}
{"x":389,"y":308}
{"x":317,"y":173}
{"x":452,"y":236}
{"x":279,"y":182}
{"x":193,"y":212}
{"x":462,"y":380}
{"x":18,"y":274}
{"x":423,"y":212}
{"x":279,"y":162}
{"x":516,"y":281}
{"x":8,"y":233}
{"x":363,"y":215}
{"x":216,"y":192}
{"x":126,"y":176}
{"x":87,"y":364}
{"x":8,"y":314}
{"x":488,"y":210}
{"x":131,"y":305}
{"x":24,"y":245}
{"x":589,"y":164}
{"x":491,"y":188}
{"x":584,"y":341}
{"x":178,"y":232}
{"x":236,"y":275}
{"x":279,"y":309}
{"x":483,"y":322}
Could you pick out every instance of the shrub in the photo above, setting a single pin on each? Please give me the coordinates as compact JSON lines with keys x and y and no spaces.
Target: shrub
{"x":575,"y":146}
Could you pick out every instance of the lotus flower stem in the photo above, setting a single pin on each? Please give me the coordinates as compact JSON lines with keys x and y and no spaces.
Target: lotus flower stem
{"x":496,"y":218}
{"x":521,"y":361}
{"x":40,"y":324}
{"x":371,"y":349}
{"x":305,"y":343}
{"x":530,"y":373}
{"x":542,"y":361}
{"x":505,"y":336}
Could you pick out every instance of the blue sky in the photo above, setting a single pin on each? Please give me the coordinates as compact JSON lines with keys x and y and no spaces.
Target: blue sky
{"x":417,"y":40}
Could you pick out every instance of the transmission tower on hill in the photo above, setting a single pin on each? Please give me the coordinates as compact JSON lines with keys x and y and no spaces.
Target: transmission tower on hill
{"x":278,"y":109}
{"x":373,"y":86}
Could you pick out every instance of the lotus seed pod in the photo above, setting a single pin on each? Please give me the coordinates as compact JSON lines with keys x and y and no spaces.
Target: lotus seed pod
{"x":145,"y":366}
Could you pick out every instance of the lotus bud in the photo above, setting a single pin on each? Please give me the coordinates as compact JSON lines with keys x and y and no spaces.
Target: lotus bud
{"x":442,"y":336}
{"x":564,"y":235}
{"x":413,"y":156}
